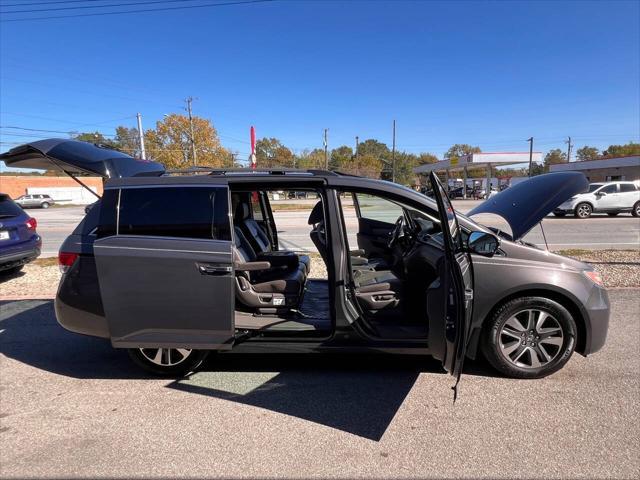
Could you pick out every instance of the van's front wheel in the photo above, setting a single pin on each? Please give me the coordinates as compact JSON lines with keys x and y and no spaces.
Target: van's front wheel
{"x":168,"y":361}
{"x":529,"y":337}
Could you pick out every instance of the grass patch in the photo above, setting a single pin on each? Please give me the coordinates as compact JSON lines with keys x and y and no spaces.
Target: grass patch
{"x":45,"y":262}
{"x":290,"y":206}
{"x":581,"y":252}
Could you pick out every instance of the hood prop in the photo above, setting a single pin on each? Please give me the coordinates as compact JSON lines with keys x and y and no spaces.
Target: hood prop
{"x":544,"y":236}
{"x":75,"y":179}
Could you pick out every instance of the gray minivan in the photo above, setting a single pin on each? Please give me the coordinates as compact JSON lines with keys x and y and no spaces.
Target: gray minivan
{"x":174,"y":265}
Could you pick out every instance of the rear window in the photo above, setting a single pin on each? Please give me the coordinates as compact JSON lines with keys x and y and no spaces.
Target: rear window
{"x":627,"y":187}
{"x":8,"y":208}
{"x":185,"y":212}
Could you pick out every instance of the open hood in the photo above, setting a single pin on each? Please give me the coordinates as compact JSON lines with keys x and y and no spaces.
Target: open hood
{"x":77,"y":158}
{"x":525,"y":204}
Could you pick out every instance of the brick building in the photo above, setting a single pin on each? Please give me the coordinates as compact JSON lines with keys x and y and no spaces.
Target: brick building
{"x":61,"y":189}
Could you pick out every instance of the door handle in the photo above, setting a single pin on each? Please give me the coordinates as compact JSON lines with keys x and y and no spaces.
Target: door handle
{"x":213,"y":269}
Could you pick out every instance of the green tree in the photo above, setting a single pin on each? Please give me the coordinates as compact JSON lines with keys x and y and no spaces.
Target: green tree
{"x":554,"y":157}
{"x":622,"y":150}
{"x":587,"y":153}
{"x":373,"y":148}
{"x":270,"y":152}
{"x":127,"y":140}
{"x":310,"y":159}
{"x":170,"y":143}
{"x":424,"y":158}
{"x":460,"y":149}
{"x":342,"y":159}
{"x":97,"y":138}
{"x":369,"y":166}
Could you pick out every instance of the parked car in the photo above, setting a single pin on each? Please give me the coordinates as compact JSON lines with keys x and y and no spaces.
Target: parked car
{"x":457,"y":193}
{"x":19,"y":241}
{"x":35,"y":201}
{"x":611,"y":198}
{"x":172,"y":267}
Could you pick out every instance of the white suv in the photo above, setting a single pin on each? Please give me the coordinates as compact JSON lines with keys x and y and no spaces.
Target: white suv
{"x":611,"y":198}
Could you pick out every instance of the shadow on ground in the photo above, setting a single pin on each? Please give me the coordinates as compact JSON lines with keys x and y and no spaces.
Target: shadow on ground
{"x":358,"y":393}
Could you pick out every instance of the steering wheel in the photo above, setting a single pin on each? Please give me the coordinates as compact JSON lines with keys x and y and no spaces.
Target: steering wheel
{"x":396,"y":233}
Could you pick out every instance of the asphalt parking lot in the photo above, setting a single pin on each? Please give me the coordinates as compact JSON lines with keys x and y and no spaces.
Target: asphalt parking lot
{"x":71,"y":406}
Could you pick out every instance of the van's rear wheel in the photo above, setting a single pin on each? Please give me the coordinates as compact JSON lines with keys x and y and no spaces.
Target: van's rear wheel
{"x":168,"y":361}
{"x":529,"y":337}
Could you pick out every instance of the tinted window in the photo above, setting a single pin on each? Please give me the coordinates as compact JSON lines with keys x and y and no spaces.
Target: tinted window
{"x":594,"y":186}
{"x":8,"y":208}
{"x":108,"y":208}
{"x":609,"y":189}
{"x":189,"y":212}
{"x":627,"y":187}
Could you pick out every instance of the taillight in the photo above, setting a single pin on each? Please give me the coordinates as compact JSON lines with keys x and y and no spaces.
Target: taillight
{"x":65,"y":260}
{"x":31,"y":224}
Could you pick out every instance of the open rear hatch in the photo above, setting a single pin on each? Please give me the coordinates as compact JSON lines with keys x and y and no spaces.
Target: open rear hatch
{"x":79,"y":158}
{"x":524,"y":205}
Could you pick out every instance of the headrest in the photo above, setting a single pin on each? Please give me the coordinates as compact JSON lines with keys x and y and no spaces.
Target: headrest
{"x":242,"y":211}
{"x":316,"y":215}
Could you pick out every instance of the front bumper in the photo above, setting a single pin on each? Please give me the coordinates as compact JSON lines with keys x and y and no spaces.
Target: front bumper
{"x":598,"y":310}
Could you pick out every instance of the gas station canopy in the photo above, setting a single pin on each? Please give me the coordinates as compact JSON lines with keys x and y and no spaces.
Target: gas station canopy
{"x":479,"y":160}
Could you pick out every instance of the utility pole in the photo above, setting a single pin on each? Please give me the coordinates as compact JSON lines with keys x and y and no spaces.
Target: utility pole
{"x":530,"y":140}
{"x":356,"y":155}
{"x":326,"y":153}
{"x":143,"y":154}
{"x":193,"y":141}
{"x":568,"y":142}
{"x":393,"y":154}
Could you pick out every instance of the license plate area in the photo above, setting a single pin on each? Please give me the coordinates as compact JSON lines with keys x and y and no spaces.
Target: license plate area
{"x":4,"y":234}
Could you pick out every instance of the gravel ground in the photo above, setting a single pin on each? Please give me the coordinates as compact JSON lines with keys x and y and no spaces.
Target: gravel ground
{"x":619,"y":268}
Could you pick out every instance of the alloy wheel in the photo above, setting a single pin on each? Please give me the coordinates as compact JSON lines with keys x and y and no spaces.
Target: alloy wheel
{"x":166,"y":357}
{"x":583,"y":210}
{"x":636,"y":209}
{"x":531,"y":338}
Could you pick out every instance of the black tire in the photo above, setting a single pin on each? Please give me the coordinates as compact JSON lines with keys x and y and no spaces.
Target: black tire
{"x":188,"y":364}
{"x":491,"y":340}
{"x":559,"y":214}
{"x":583,"y":210}
{"x":612,"y":214}
{"x":44,"y":204}
{"x":635,"y":211}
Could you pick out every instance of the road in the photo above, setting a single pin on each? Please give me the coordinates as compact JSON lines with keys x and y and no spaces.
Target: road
{"x":73,"y":406}
{"x":598,"y":232}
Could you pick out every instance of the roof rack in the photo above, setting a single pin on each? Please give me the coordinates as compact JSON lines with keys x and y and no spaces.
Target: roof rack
{"x":249,"y":171}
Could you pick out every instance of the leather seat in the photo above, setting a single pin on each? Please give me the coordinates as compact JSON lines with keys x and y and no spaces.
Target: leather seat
{"x":262,"y":285}
{"x":319,"y":238}
{"x":256,"y":235}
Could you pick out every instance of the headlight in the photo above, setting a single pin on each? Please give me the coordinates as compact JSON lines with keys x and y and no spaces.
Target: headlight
{"x":594,"y":276}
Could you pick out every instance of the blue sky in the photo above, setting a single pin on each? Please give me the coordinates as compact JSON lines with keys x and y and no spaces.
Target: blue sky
{"x":485,"y":73}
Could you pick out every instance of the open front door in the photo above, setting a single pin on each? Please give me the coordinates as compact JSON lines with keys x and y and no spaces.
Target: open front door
{"x":164,"y":261}
{"x":448,"y":335}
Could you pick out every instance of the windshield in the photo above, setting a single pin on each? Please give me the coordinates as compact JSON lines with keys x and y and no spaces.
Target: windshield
{"x":8,"y":208}
{"x":594,"y":186}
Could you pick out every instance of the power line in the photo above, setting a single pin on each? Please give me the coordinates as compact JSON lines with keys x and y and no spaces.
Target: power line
{"x":49,"y":3}
{"x":241,"y":2}
{"x":97,"y":6}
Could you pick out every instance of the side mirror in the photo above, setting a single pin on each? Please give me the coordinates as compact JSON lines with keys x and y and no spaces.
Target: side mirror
{"x":483,"y":243}
{"x":601,"y":194}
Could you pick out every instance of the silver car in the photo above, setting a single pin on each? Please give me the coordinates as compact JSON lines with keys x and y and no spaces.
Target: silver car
{"x":172,"y":266}
{"x":611,"y":198}
{"x":35,"y":201}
